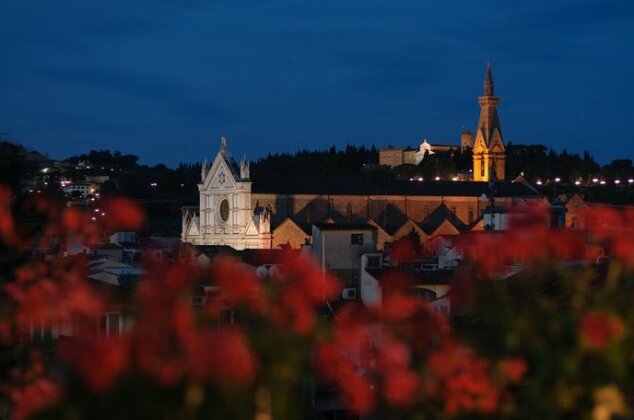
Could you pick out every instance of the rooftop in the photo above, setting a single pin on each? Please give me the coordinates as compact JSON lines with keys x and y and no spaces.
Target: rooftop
{"x":368,"y":186}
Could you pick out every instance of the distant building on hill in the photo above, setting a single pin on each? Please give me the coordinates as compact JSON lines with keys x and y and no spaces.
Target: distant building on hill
{"x":489,"y":151}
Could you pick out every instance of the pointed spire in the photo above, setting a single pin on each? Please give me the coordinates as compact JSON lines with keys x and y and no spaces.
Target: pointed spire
{"x":244,"y":168}
{"x":488,"y":81}
{"x":203,"y":170}
{"x":223,"y":143}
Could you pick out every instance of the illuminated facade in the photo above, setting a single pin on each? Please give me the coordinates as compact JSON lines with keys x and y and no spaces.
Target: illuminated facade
{"x":489,"y":152}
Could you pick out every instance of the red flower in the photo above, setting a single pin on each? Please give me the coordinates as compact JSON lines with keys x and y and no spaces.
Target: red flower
{"x":34,"y":397}
{"x":598,"y":329}
{"x":73,"y":219}
{"x":395,"y":355}
{"x":513,"y":369}
{"x":7,"y":225}
{"x":401,"y":387}
{"x":123,"y":214}
{"x":98,"y":360}
{"x":239,"y":285}
{"x":357,"y":391}
{"x":302,"y":273}
{"x":230,"y":357}
{"x":462,"y":379}
{"x":302,"y":288}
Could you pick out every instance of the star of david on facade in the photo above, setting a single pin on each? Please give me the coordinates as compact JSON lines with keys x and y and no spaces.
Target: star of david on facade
{"x":221,"y":178}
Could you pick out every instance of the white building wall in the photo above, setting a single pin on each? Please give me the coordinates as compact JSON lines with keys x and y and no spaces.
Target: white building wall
{"x":335,"y":250}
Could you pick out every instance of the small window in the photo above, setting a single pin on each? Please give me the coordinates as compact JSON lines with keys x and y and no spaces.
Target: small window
{"x":356,"y":239}
{"x":374,"y":262}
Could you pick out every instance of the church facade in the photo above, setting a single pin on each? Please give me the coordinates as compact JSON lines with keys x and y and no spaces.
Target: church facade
{"x":226,"y":215}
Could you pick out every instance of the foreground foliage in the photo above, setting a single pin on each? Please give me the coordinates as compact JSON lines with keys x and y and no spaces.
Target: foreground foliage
{"x":554,"y":340}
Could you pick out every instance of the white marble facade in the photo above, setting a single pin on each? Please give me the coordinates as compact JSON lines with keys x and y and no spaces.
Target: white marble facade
{"x":225,"y":215}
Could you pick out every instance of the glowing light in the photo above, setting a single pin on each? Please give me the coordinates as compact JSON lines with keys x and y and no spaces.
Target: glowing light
{"x":557,"y":179}
{"x":539,"y":182}
{"x":630,"y":181}
{"x":577,"y":182}
{"x":617,"y":181}
{"x":595,"y":180}
{"x":420,"y":179}
{"x":602,"y":182}
{"x":455,"y":178}
{"x":437,"y":178}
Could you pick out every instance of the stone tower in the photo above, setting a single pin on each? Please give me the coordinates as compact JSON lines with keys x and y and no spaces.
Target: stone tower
{"x":489,"y":152}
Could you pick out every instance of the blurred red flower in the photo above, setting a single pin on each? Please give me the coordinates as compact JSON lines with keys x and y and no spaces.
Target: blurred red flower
{"x":401,"y":387}
{"x":357,"y":391}
{"x":513,"y":369}
{"x":33,"y":397}
{"x":123,"y":214}
{"x":598,"y":329}
{"x":461,"y":379}
{"x":301,"y":288}
{"x":7,"y":225}
{"x":239,"y":285}
{"x":230,"y":357}
{"x":98,"y":360}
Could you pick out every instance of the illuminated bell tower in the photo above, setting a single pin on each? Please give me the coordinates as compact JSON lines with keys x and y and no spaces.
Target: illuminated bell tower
{"x":489,"y":153}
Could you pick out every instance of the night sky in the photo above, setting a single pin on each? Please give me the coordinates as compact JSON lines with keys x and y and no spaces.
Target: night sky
{"x":165,"y":79}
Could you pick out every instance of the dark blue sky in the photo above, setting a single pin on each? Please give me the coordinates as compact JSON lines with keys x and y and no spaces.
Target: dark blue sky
{"x":164,"y":79}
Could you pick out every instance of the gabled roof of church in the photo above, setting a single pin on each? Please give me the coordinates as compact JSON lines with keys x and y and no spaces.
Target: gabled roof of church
{"x":366,"y":186}
{"x":391,"y":219}
{"x":307,"y":228}
{"x":437,"y":217}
